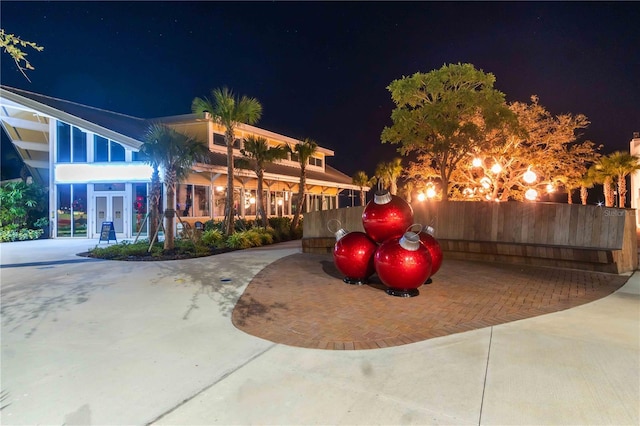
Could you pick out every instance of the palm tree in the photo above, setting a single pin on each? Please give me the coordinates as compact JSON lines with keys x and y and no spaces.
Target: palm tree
{"x":175,"y":153}
{"x":228,"y":110}
{"x":388,"y":173}
{"x":258,"y":154}
{"x":621,"y":164}
{"x":587,"y":181}
{"x":361,"y":179}
{"x":602,"y":173}
{"x":304,"y":151}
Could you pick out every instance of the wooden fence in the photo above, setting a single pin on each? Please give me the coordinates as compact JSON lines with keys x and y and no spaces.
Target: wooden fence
{"x":546,"y":234}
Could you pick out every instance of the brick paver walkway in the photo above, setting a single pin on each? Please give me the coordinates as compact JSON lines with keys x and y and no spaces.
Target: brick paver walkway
{"x":300,"y":300}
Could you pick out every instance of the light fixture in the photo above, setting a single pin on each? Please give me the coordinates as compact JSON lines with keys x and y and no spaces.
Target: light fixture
{"x":531,"y":194}
{"x":252,"y":200}
{"x":529,"y":176}
{"x":496,"y":168}
{"x":431,"y":192}
{"x":421,"y":197}
{"x":280,"y":202}
{"x":550,"y":188}
{"x":477,"y":162}
{"x":485,"y":182}
{"x":219,"y":188}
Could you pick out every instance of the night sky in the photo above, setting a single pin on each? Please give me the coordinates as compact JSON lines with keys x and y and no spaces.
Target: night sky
{"x":321,"y":70}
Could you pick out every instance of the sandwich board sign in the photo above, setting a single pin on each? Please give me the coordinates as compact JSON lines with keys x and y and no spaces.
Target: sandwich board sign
{"x":107,"y":232}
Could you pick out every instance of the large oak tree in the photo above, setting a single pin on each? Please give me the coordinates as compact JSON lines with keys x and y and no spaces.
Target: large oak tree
{"x":444,"y":115}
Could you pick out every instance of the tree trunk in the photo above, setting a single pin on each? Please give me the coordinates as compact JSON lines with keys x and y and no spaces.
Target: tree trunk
{"x":569,"y":197}
{"x":622,"y":191}
{"x":583,"y":195}
{"x":169,"y":214}
{"x":393,"y":186}
{"x":607,"y":187}
{"x":154,"y":207}
{"x":229,"y":213}
{"x":259,"y":201}
{"x":296,"y":216}
{"x":363,"y":200}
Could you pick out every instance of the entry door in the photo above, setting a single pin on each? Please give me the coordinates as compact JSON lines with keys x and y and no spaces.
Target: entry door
{"x":110,"y":208}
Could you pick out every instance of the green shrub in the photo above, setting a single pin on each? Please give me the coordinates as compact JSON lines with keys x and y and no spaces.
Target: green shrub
{"x":9,"y":234}
{"x":126,"y":249}
{"x":212,"y":238}
{"x":239,"y":240}
{"x":255,"y":237}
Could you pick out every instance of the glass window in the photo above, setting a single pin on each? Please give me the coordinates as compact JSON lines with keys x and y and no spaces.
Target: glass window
{"x":63,"y":211}
{"x":294,"y":157}
{"x":236,"y":144}
{"x":201,"y":201}
{"x":79,"y":210}
{"x":63,"y":146}
{"x":79,"y":146}
{"x":139,"y":208}
{"x":108,"y":187}
{"x":117,"y":152}
{"x":100,"y":149}
{"x":218,"y":139}
{"x":314,"y":161}
{"x":184,"y":200}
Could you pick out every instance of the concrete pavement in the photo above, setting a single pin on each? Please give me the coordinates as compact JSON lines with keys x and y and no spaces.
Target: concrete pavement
{"x":86,"y":341}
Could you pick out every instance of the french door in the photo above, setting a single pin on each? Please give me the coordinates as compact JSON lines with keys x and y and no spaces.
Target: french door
{"x":110,"y":207}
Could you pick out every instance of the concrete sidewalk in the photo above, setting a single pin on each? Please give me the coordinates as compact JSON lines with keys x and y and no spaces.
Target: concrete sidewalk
{"x":86,"y":341}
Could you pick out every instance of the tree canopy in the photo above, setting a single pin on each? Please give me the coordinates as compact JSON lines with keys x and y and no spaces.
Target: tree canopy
{"x":542,"y":155}
{"x":446,"y":114}
{"x":228,"y":110}
{"x":12,"y":44}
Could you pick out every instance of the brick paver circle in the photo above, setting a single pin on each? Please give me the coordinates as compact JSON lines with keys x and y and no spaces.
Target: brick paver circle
{"x":301,"y":300}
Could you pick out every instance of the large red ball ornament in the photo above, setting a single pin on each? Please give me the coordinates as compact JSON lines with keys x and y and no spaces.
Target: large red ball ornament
{"x":353,"y":256}
{"x":435,"y":251}
{"x":386,"y":216}
{"x":403,"y":264}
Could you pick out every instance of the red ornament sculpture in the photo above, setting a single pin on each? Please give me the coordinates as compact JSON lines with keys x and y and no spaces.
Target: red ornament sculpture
{"x":353,"y":256}
{"x":386,"y":216}
{"x":429,"y":241}
{"x":403,"y":264}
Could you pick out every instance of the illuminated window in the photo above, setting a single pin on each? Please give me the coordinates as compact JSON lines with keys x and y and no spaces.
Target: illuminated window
{"x":63,"y":145}
{"x":192,"y":200}
{"x":71,"y":217}
{"x":79,"y":146}
{"x":105,"y":150}
{"x":315,"y":161}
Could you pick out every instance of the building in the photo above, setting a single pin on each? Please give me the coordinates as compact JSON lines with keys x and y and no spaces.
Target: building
{"x":634,"y":149}
{"x":89,"y":159}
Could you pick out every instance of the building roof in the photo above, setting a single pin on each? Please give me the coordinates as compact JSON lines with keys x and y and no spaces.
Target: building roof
{"x":218,"y":159}
{"x":126,"y":125}
{"x":23,"y":111}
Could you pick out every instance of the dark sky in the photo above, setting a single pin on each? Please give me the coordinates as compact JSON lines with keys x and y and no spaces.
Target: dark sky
{"x":320,"y":69}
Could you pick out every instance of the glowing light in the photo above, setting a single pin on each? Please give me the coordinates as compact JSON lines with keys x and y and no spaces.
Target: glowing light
{"x":252,"y":200}
{"x":219,"y":188}
{"x":467,"y":192}
{"x":280,"y":202}
{"x":421,"y":197}
{"x":531,"y":194}
{"x":496,"y":168}
{"x":431,"y":192}
{"x":550,"y":188}
{"x":529,"y":176}
{"x":477,"y":162}
{"x":485,"y":182}
{"x":114,"y":172}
